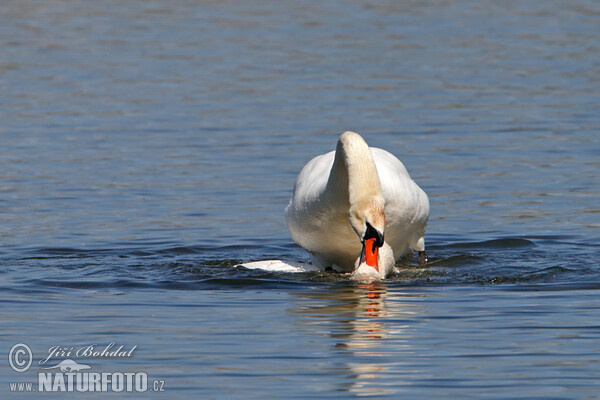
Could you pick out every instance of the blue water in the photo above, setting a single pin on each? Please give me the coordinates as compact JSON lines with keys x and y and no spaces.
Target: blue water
{"x":148,"y":148}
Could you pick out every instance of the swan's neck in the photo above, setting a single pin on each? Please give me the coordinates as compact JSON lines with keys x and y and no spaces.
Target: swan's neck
{"x":353,"y":178}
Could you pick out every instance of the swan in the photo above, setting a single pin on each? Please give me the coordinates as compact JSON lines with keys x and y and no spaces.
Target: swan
{"x":356,"y":209}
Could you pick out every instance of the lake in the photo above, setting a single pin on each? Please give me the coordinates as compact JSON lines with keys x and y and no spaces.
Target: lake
{"x":149,"y":148}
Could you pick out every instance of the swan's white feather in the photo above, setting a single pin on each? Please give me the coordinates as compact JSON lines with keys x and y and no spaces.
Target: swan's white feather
{"x":280,"y":266}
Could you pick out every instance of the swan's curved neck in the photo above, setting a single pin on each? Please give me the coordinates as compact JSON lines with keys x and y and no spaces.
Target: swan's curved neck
{"x":353,"y":177}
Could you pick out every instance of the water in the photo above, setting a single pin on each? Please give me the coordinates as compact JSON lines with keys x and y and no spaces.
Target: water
{"x":149,"y":148}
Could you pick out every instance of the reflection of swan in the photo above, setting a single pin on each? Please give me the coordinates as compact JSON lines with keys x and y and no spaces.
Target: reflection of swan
{"x":357,"y":190}
{"x":363,"y":322}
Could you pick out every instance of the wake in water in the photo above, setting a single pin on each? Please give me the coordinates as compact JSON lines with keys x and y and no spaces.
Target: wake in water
{"x":533,"y":260}
{"x":497,"y":261}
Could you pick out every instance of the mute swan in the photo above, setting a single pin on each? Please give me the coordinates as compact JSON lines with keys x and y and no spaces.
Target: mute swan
{"x":356,"y":198}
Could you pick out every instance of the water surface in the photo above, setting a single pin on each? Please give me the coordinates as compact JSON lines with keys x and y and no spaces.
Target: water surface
{"x":147,"y":149}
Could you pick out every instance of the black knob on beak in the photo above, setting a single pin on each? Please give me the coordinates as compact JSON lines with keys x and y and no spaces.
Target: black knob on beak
{"x":372,"y":233}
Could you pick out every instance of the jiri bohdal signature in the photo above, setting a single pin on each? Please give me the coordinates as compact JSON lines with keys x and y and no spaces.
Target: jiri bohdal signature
{"x":92,"y":350}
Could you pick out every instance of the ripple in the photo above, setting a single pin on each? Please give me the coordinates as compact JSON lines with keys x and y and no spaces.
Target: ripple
{"x":500,"y":261}
{"x":503,"y":243}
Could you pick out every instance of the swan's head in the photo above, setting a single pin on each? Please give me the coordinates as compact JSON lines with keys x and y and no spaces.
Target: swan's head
{"x":368,"y":221}
{"x":365,"y":273}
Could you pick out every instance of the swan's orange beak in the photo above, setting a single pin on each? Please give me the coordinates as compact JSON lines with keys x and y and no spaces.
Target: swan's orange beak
{"x":369,"y":252}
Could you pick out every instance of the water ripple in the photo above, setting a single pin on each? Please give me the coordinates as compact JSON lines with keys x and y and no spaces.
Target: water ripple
{"x":497,"y":261}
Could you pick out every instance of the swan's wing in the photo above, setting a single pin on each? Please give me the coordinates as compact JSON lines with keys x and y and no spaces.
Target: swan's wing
{"x":280,"y":266}
{"x":406,"y":204}
{"x":311,"y":182}
{"x":311,"y":220}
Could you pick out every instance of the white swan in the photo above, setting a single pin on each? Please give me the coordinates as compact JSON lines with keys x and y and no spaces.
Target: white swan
{"x":356,"y":198}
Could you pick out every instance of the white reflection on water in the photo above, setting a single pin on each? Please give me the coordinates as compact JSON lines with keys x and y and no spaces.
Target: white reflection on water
{"x":370,"y":331}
